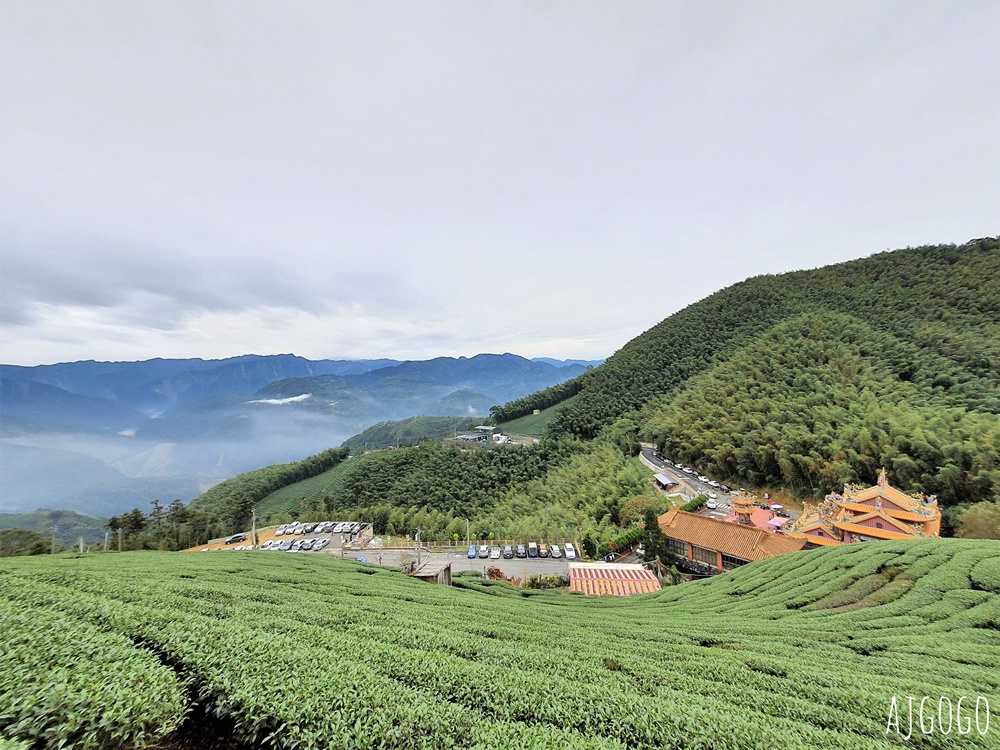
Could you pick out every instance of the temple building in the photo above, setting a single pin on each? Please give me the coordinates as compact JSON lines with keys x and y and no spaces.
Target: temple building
{"x":858,"y":515}
{"x":708,"y":546}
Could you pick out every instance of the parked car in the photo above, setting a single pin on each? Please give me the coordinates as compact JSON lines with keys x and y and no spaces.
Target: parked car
{"x":570,"y":552}
{"x":543,"y":550}
{"x":521,"y":551}
{"x":702,"y":478}
{"x":280,"y":530}
{"x":472,"y":552}
{"x":508,"y":552}
{"x":320,"y":544}
{"x":307,"y":544}
{"x":711,"y":505}
{"x":724,"y":488}
{"x":286,"y":545}
{"x":532,"y":549}
{"x":241,"y":537}
{"x":555,"y":551}
{"x":712,"y":496}
{"x":484,"y":551}
{"x":494,"y":553}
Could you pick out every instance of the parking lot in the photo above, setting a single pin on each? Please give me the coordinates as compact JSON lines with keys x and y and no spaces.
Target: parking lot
{"x":358,"y":544}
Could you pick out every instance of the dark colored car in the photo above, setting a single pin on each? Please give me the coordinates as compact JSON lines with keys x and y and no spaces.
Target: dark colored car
{"x":286,"y":545}
{"x":508,"y":552}
{"x":521,"y":551}
{"x":236,"y":538}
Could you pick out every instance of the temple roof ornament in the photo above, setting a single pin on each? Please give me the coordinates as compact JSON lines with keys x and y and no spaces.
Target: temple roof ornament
{"x":906,"y":515}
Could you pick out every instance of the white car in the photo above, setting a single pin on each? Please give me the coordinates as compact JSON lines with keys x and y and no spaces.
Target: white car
{"x":570,"y":552}
{"x":711,"y":505}
{"x":494,"y":553}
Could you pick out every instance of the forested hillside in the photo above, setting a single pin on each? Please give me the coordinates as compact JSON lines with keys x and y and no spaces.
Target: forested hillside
{"x":233,"y":499}
{"x":811,"y":379}
{"x":942,"y":300}
{"x":556,"y":489}
{"x":818,"y":401}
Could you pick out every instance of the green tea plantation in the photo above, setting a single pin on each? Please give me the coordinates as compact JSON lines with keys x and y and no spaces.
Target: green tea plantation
{"x":255,"y":649}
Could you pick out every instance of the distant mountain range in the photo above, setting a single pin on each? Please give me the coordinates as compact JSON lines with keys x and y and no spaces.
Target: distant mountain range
{"x":101,"y":437}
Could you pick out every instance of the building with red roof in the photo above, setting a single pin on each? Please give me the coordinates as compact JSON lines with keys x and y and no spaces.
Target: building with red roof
{"x":711,"y":546}
{"x":611,"y":579}
{"x":857,"y":515}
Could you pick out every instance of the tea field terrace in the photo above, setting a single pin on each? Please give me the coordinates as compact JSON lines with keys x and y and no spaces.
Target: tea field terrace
{"x":806,"y":650}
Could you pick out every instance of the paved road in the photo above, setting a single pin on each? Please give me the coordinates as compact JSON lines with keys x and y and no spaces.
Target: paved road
{"x":693,"y":484}
{"x":723,"y":510}
{"x":460,"y":561}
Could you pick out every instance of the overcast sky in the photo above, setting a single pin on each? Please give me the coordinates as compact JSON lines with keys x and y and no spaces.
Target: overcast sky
{"x":417,"y":179}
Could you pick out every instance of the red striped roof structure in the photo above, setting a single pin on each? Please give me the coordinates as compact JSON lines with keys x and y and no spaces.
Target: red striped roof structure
{"x":611,"y":579}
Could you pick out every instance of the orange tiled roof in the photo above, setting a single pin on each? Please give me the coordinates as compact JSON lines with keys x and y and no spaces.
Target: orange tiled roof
{"x":820,"y":540}
{"x":901,"y":526}
{"x":903,"y":515}
{"x":890,"y":493}
{"x":595,"y":579}
{"x":879,"y":533}
{"x":745,"y":542}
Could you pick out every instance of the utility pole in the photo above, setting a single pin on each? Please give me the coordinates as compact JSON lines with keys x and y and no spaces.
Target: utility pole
{"x":417,"y":538}
{"x":253,"y":524}
{"x":119,"y":539}
{"x":467,"y":539}
{"x":54,"y":528}
{"x":106,"y":534}
{"x":80,"y":542}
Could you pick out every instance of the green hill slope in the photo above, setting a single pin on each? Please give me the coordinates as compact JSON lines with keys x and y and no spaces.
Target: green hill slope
{"x":309,"y":495}
{"x":408,"y":432}
{"x":818,"y":401}
{"x":943,"y":300}
{"x":810,"y":379}
{"x":806,"y":650}
{"x":535,"y":425}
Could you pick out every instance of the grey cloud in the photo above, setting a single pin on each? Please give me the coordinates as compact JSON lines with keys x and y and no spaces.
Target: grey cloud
{"x":159,"y":286}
